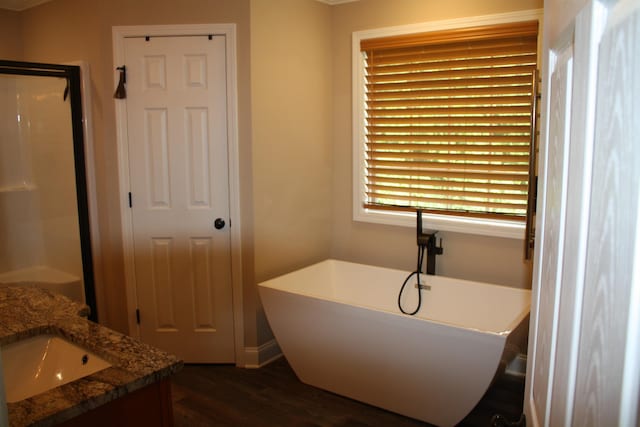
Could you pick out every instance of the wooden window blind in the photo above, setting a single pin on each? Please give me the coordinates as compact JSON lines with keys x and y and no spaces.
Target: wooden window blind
{"x":449,"y":120}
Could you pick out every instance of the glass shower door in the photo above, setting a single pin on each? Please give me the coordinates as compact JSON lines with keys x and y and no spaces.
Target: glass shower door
{"x":44,"y":238}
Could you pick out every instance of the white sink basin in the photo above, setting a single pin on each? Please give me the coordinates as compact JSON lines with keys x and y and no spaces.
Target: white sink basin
{"x":40,"y":363}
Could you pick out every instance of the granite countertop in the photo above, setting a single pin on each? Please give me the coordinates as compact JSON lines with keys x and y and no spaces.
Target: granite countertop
{"x":26,"y":312}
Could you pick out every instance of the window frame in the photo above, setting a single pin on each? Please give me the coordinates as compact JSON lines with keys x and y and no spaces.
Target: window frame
{"x":462,"y":224}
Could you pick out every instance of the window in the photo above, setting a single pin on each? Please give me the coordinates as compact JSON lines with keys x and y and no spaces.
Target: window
{"x":445,"y":123}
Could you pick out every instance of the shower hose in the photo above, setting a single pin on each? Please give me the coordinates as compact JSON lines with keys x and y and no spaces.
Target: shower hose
{"x":421,"y":251}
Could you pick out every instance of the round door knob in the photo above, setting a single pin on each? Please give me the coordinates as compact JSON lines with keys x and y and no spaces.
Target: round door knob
{"x":219,"y":223}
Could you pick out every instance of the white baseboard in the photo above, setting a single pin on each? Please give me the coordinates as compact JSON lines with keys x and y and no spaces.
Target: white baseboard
{"x":256,"y":357}
{"x":518,"y":366}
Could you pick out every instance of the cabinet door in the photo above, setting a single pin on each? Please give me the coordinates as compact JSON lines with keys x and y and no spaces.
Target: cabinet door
{"x":583,"y":359}
{"x":148,"y":406}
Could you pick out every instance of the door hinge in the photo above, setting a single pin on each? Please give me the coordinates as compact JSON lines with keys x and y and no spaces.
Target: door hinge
{"x":130,"y":200}
{"x":138,"y":316}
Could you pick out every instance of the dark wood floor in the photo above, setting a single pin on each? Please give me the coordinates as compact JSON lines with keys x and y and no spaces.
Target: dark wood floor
{"x":223,"y":395}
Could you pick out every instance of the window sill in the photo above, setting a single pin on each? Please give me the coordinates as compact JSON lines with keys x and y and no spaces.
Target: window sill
{"x":483,"y":227}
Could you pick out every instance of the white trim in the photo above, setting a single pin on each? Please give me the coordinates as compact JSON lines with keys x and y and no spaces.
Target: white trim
{"x":630,"y":387}
{"x":530,"y":409}
{"x":334,"y":2}
{"x":235,"y":224}
{"x":123,"y":178}
{"x":229,"y":30}
{"x":517,"y":367}
{"x":495,"y":228}
{"x":257,"y":357}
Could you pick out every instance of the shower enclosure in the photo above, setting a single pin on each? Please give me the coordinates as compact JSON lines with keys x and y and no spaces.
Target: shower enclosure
{"x":44,"y":217}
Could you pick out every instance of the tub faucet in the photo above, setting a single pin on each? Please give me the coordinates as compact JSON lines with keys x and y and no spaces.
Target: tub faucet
{"x":428,"y":240}
{"x":432,"y":251}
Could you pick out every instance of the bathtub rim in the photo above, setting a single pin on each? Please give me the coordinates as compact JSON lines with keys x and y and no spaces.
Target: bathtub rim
{"x":272,"y":284}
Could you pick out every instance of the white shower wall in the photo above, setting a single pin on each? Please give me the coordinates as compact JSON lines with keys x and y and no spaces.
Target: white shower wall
{"x":21,"y":242}
{"x":38,"y":209}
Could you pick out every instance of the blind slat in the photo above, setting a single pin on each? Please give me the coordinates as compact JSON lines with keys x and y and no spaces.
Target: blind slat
{"x":492,"y":171}
{"x":492,"y":187}
{"x":393,"y":169}
{"x":461,"y":101}
{"x":493,"y":148}
{"x":467,"y":111}
{"x":498,"y":66}
{"x":445,"y":120}
{"x":508,"y":199}
{"x":488,"y":93}
{"x":418,"y":83}
{"x":467,"y":204}
{"x":406,"y":207}
{"x":448,"y":74}
{"x":461,"y":129}
{"x":450,"y":159}
{"x":519,"y":139}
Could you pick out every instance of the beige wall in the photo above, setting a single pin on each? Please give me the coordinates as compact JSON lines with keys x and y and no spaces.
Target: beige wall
{"x":10,"y":41}
{"x":291,"y":113}
{"x":291,"y":125}
{"x":472,"y":257}
{"x":557,"y":16}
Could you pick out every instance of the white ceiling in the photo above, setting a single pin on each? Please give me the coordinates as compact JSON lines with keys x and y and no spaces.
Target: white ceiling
{"x":18,"y":5}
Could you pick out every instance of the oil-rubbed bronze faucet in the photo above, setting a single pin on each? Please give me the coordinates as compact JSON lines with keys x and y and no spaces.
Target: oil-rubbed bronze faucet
{"x":428,"y":241}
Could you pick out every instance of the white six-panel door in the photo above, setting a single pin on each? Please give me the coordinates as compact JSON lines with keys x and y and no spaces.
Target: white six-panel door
{"x":178,"y":167}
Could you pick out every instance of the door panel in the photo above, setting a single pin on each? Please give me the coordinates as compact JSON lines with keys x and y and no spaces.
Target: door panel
{"x":197,"y":128}
{"x":177,"y":130}
{"x":554,"y":214}
{"x":613,"y":231}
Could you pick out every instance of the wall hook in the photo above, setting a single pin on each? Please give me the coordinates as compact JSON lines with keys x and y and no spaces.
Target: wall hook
{"x":121,"y":91}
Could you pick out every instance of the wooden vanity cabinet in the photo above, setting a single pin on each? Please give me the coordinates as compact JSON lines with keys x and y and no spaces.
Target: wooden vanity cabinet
{"x":148,"y":406}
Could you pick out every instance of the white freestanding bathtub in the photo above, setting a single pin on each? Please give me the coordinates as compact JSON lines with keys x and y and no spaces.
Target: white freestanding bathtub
{"x":339,"y":327}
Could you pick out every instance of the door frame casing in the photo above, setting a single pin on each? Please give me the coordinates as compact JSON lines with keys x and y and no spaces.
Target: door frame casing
{"x":119,"y":34}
